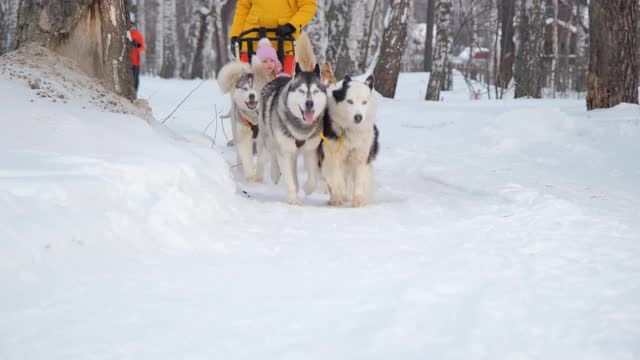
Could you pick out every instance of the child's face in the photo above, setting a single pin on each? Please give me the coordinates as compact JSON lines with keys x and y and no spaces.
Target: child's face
{"x":269,"y":65}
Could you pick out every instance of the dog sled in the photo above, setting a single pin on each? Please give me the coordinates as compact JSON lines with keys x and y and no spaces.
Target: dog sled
{"x":251,"y":37}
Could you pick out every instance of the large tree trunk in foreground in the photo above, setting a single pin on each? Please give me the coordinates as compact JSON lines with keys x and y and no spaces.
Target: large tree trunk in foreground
{"x":393,"y":42}
{"x":613,"y":63}
{"x":90,"y":32}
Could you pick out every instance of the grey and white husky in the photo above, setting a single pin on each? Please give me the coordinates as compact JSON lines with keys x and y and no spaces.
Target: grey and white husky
{"x":291,"y":121}
{"x":350,"y":142}
{"x":239,"y":80}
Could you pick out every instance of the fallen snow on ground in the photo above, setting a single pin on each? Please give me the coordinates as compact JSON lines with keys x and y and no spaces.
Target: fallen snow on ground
{"x":499,"y":230}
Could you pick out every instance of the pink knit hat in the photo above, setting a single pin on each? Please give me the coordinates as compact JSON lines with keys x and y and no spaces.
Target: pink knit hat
{"x":266,"y":51}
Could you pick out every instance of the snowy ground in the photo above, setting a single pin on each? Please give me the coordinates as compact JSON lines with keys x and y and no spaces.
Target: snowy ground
{"x":499,"y":230}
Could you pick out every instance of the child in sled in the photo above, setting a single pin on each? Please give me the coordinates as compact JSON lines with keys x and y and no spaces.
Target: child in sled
{"x":269,"y":58}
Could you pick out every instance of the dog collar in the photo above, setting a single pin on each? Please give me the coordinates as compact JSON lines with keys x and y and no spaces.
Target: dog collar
{"x":254,"y":128}
{"x":335,"y":151}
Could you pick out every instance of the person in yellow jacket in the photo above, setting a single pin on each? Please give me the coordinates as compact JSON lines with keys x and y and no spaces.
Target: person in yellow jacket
{"x":287,"y":16}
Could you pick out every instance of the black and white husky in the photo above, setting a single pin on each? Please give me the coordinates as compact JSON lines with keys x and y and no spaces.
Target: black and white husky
{"x":239,"y":81}
{"x":350,"y":142}
{"x":291,"y":121}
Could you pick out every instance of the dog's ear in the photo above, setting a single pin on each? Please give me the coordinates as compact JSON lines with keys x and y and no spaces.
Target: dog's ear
{"x":369,"y":82}
{"x":346,"y":80}
{"x":298,"y":68}
{"x":316,"y":70}
{"x":340,"y":94}
{"x":260,"y":75}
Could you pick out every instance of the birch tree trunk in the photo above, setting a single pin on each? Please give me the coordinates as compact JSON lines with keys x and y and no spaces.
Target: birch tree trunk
{"x":338,"y":32}
{"x":90,"y":32}
{"x":581,"y":63}
{"x":394,"y":40}
{"x":169,"y":57}
{"x":613,"y":63}
{"x":318,"y":31}
{"x":201,"y":29}
{"x":554,"y":42}
{"x":428,"y":42}
{"x":442,"y":53}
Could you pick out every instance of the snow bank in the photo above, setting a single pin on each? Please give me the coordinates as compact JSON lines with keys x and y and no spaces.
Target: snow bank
{"x":80,"y":167}
{"x":56,"y":78}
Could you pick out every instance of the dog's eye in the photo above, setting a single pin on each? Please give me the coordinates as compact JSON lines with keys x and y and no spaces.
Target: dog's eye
{"x":316,"y":91}
{"x":301,"y":91}
{"x":364,"y":103}
{"x":350,"y":101}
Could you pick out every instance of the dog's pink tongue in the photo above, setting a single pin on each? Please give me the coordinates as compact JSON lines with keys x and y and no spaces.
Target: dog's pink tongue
{"x":308,"y":117}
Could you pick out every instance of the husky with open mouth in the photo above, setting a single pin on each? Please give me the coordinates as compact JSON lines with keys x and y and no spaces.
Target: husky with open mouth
{"x":239,"y":81}
{"x":291,"y":121}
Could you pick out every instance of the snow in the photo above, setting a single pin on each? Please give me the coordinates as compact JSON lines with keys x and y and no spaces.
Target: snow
{"x":499,"y":230}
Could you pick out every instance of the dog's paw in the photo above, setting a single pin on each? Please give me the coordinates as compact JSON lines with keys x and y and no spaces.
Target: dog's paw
{"x":359,"y":202}
{"x":275,"y":178}
{"x":309,"y":187}
{"x":255,"y":178}
{"x":323,"y":188}
{"x":335,"y":202}
{"x":294,"y":201}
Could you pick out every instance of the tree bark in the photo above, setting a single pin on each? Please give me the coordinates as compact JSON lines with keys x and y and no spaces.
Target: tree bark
{"x":367,"y":41}
{"x":394,"y":40}
{"x":169,"y":58}
{"x":528,"y":66}
{"x":90,"y":32}
{"x":197,"y":65}
{"x":506,"y":12}
{"x":613,"y":63}
{"x":338,"y":48}
{"x":8,"y":16}
{"x":582,"y":61}
{"x":428,"y":42}
{"x":554,"y":49}
{"x":441,"y":56}
{"x":218,"y":41}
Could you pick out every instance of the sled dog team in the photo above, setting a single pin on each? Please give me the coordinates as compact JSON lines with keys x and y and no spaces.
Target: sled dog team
{"x":330,"y":125}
